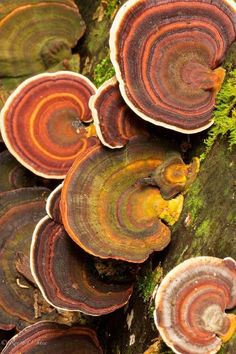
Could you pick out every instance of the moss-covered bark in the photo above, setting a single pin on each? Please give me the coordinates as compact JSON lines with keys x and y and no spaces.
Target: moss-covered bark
{"x":208,"y":222}
{"x":94,"y":48}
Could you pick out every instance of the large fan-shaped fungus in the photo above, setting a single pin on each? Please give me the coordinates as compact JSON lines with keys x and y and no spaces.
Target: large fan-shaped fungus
{"x":190,"y":305}
{"x":20,"y":211}
{"x":115,"y":122}
{"x":35,"y":35}
{"x":107,"y":212}
{"x":49,"y":337}
{"x":67,"y":276}
{"x":165,"y":54}
{"x":55,"y":108}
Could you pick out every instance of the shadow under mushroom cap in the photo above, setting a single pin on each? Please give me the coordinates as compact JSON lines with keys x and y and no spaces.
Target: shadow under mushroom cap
{"x":13,"y":174}
{"x":190,"y":305}
{"x":164,"y":54}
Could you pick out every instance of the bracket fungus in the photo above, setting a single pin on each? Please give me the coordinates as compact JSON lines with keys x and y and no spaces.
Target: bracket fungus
{"x":20,"y":211}
{"x":35,"y":35}
{"x":54,"y":107}
{"x":173,"y":175}
{"x":107,"y":212}
{"x":68,"y":277}
{"x":115,"y":122}
{"x":166,"y":56}
{"x":190,"y":305}
{"x":53,"y":204}
{"x":49,"y":337}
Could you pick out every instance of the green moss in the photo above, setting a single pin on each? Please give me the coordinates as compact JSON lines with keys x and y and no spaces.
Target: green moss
{"x":147,"y":284}
{"x":224,"y":115}
{"x":203,"y":229}
{"x":96,"y":35}
{"x":231,"y":217}
{"x":103,"y":71}
{"x":111,"y":8}
{"x":194,"y":201}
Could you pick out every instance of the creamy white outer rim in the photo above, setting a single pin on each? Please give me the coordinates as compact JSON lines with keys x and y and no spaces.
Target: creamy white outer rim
{"x":113,"y":55}
{"x":26,"y":329}
{"x":32,"y":268}
{"x":96,"y":121}
{"x":174,"y":274}
{"x":50,"y":197}
{"x":7,"y":104}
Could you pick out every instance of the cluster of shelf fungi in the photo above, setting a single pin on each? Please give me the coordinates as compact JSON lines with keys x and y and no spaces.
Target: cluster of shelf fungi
{"x":73,"y":249}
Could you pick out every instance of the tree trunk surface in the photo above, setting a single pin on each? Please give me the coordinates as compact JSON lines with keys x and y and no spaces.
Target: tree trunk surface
{"x":206,"y":227}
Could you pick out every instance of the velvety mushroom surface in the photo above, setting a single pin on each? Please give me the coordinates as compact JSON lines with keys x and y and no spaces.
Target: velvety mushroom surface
{"x":20,"y":301}
{"x":190,"y":305}
{"x":55,"y":110}
{"x":48,"y":337}
{"x":107,"y":211}
{"x":173,"y":175}
{"x":35,"y":35}
{"x":68,"y":277}
{"x":115,"y":122}
{"x":166,"y":56}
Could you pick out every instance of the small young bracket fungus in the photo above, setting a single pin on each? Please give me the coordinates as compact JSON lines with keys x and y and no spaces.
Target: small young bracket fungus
{"x":190,"y":305}
{"x":165,"y":55}
{"x":107,"y":212}
{"x":52,"y":133}
{"x":115,"y":122}
{"x":173,"y":176}
{"x":49,"y":337}
{"x":13,"y":174}
{"x":36,"y":35}
{"x":20,"y":211}
{"x":67,"y":276}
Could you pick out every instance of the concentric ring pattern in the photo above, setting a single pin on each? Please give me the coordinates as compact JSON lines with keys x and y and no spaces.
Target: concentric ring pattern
{"x":191,"y":301}
{"x":42,"y":122}
{"x":104,"y":208}
{"x":165,"y":54}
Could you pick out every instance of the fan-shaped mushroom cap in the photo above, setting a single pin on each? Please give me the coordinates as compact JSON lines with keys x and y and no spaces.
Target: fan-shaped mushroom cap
{"x":48,"y":337}
{"x":165,"y":54}
{"x":36,"y":35}
{"x":55,"y":108}
{"x":20,"y":211}
{"x":67,"y":276}
{"x":13,"y":175}
{"x":115,"y":122}
{"x":190,"y":305}
{"x":174,"y":176}
{"x":104,"y":208}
